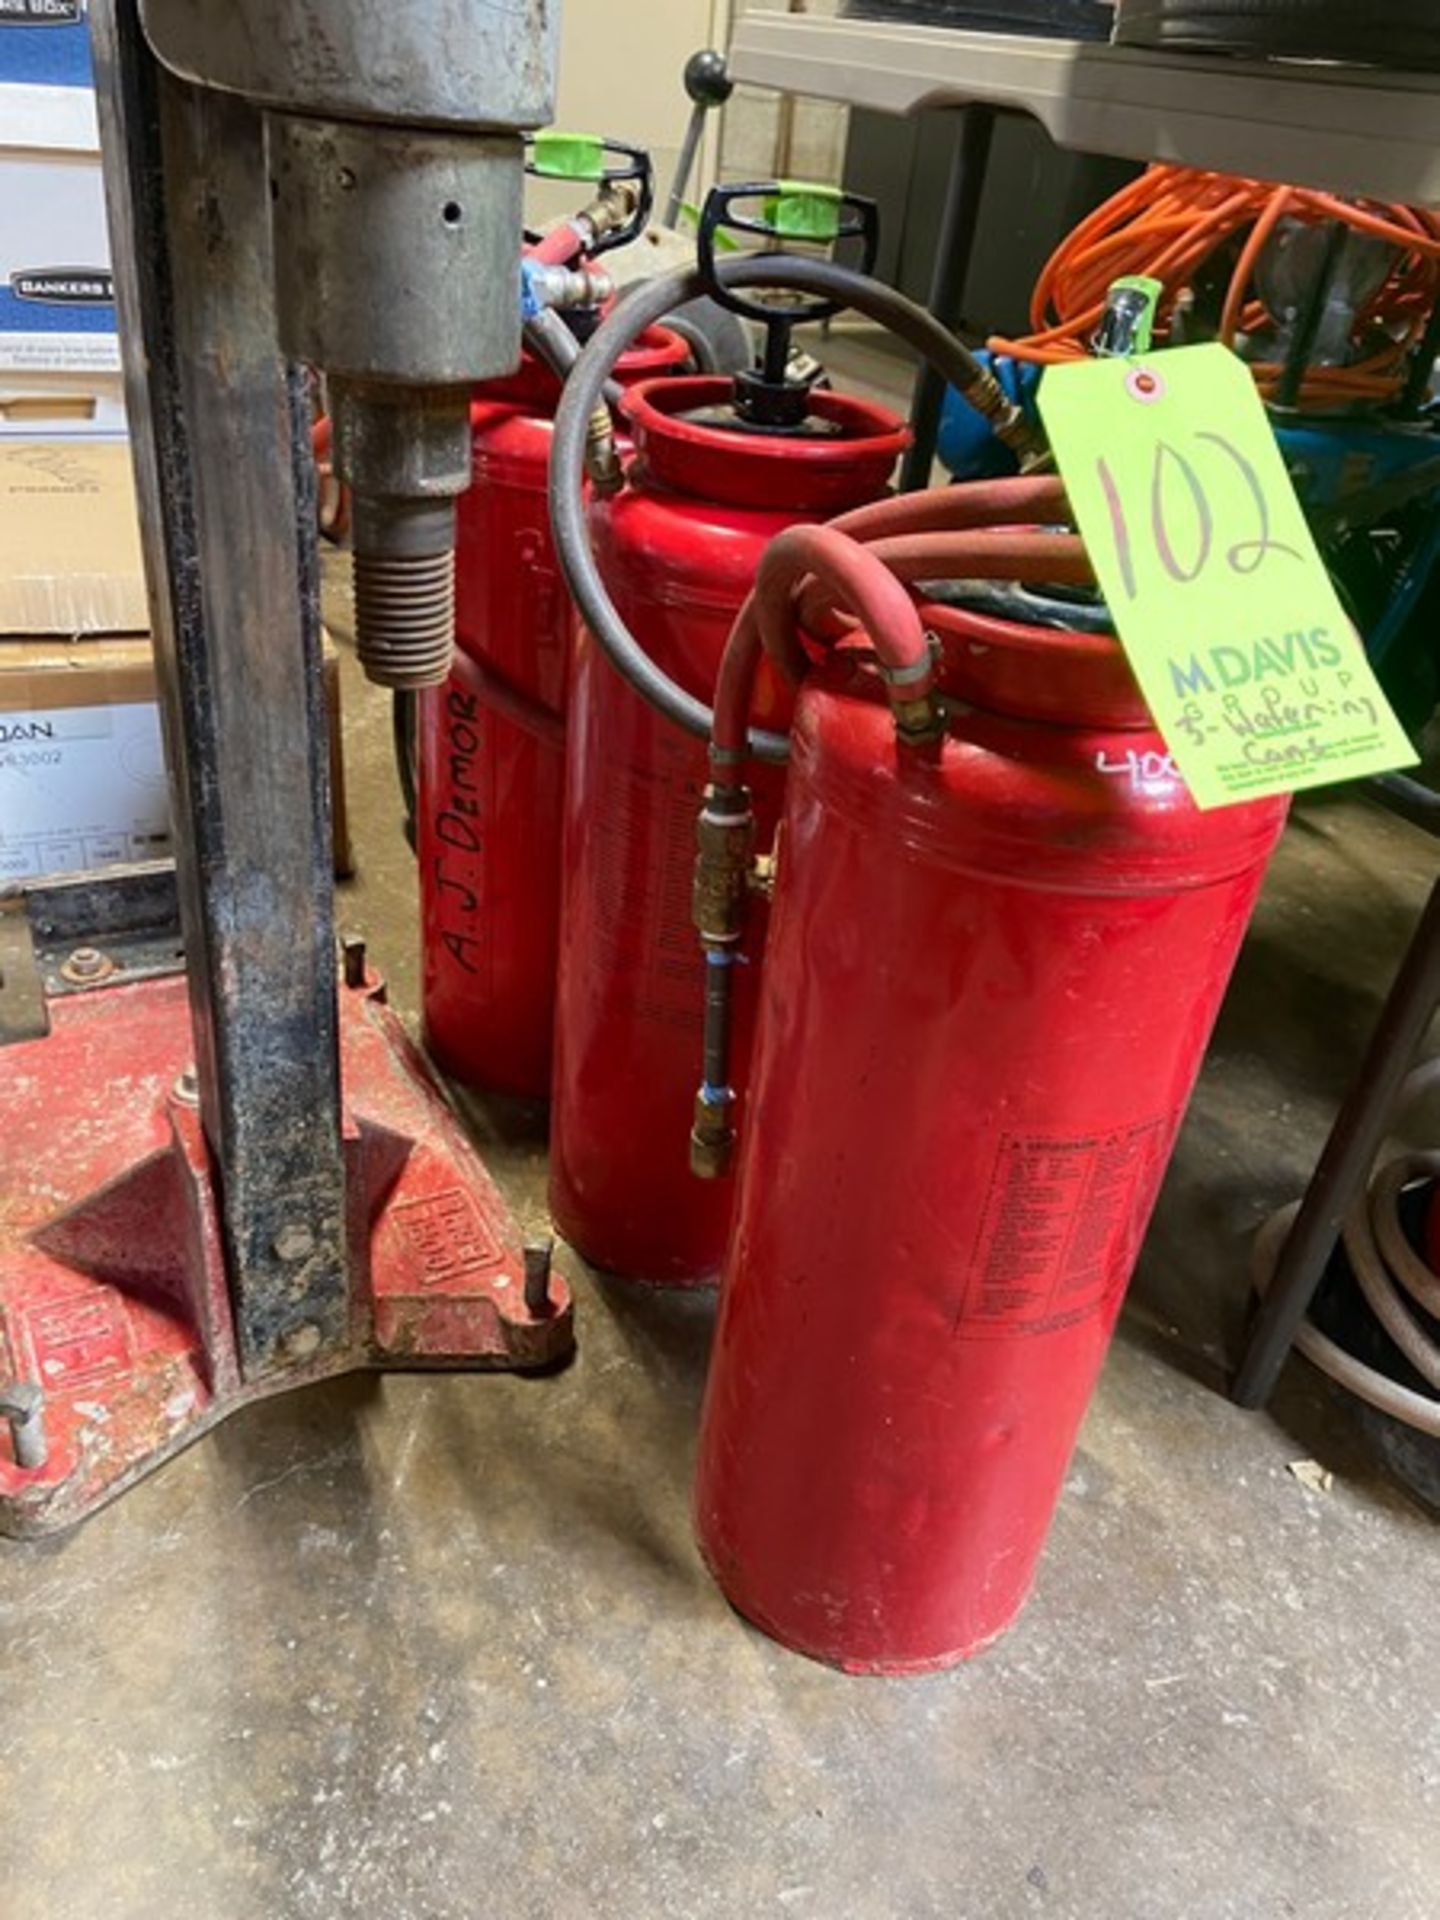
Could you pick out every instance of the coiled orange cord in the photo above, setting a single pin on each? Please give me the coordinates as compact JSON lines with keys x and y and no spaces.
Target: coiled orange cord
{"x":1171,"y":220}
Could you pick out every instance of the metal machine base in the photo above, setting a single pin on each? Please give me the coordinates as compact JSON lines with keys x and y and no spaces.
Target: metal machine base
{"x":113,"y":1297}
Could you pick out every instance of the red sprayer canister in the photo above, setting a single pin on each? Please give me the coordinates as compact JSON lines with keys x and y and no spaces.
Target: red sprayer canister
{"x":1000,"y":935}
{"x":491,"y":748}
{"x":678,"y":548}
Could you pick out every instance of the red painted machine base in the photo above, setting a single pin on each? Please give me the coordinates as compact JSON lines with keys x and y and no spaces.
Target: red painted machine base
{"x":113,"y":1295}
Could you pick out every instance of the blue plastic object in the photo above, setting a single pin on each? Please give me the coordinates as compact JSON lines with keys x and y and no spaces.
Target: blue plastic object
{"x":1328,"y":459}
{"x":965,"y":444}
{"x":1405,"y":592}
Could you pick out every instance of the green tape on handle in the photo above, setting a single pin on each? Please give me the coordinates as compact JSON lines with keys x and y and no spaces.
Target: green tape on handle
{"x":568,"y":156}
{"x":802,"y":210}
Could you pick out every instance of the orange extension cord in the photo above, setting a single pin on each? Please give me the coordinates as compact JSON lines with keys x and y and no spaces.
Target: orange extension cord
{"x":1171,"y":220}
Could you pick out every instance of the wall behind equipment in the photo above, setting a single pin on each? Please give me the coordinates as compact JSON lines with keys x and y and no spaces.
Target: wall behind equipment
{"x":620,"y":67}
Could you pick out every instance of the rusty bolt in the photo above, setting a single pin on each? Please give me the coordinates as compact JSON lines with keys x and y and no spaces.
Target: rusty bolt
{"x":23,"y":1405}
{"x":353,"y":950}
{"x":86,"y":965}
{"x":302,"y":1342}
{"x":294,"y":1242}
{"x":187,"y":1088}
{"x":537,"y":1279}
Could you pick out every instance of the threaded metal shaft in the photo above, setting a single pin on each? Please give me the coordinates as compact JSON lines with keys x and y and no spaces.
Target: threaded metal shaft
{"x":405,"y":617}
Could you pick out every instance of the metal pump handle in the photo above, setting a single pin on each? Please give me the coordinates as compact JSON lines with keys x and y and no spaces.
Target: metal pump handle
{"x":554,"y":154}
{"x":791,"y":210}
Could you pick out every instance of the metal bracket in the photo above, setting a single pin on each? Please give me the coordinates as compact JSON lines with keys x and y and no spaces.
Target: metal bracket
{"x":22,"y":996}
{"x":77,"y":931}
{"x":128,"y":916}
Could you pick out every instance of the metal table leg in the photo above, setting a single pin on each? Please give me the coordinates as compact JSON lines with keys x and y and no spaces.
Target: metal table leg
{"x":947,"y":288}
{"x":1349,"y":1153}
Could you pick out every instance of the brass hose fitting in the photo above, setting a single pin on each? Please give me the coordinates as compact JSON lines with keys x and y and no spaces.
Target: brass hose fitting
{"x":712,"y":1138}
{"x":725,"y":837}
{"x":724,"y":862}
{"x":602,"y":461}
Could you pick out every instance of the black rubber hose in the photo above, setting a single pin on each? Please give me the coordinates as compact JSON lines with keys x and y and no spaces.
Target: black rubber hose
{"x":649,"y":303}
{"x":404,"y":721}
{"x":550,"y":340}
{"x":547,"y":336}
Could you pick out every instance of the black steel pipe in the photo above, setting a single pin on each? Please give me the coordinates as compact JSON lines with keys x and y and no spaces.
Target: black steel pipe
{"x":953,"y":253}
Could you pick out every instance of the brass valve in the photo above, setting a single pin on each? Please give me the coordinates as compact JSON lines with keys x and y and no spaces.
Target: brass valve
{"x":712,"y":1138}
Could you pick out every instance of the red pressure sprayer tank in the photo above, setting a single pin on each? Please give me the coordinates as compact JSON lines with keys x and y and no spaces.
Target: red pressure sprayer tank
{"x":719,"y":469}
{"x":491,"y":748}
{"x":992,"y":967}
{"x":678,"y":549}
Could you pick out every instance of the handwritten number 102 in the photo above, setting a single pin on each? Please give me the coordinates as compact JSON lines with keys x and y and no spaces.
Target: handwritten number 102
{"x":1170,"y":466}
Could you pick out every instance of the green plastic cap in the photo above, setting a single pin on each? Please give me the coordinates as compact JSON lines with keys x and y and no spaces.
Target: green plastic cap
{"x":802,"y":210}
{"x":568,"y":156}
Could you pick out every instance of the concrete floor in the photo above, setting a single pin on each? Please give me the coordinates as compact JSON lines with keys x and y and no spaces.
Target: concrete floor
{"x":440,"y":1648}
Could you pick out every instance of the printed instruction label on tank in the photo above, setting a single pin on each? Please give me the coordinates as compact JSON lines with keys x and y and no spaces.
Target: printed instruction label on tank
{"x":1257,"y":681}
{"x":1061,"y":1227}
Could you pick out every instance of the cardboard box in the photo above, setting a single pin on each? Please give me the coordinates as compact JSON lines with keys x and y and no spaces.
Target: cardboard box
{"x":68,"y":406}
{"x":82,"y":769}
{"x":46,"y":82}
{"x":59,"y":348}
{"x":57,"y":294}
{"x":57,"y":301}
{"x":82,"y":764}
{"x":70,"y":560}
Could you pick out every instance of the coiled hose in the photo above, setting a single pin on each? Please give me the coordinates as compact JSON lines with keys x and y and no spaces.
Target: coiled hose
{"x":585,"y":388}
{"x":1174,"y":224}
{"x":1390,"y":1275}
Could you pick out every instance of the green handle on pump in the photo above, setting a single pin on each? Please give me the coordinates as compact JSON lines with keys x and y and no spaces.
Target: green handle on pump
{"x":558,"y":155}
{"x":803,"y":210}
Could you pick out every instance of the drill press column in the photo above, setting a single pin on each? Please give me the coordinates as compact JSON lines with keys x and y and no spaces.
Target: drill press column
{"x":396,"y":165}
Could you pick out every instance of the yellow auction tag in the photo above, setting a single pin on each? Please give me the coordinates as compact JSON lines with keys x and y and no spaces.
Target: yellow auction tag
{"x":1255,"y":677}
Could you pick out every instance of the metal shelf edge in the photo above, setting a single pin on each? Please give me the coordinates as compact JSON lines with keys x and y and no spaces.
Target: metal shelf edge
{"x":1357,"y":132}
